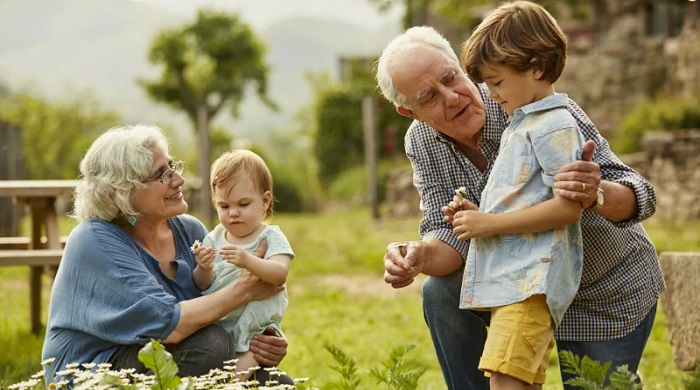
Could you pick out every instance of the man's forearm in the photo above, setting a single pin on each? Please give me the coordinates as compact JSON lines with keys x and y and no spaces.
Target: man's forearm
{"x":620,"y":202}
{"x":439,"y":258}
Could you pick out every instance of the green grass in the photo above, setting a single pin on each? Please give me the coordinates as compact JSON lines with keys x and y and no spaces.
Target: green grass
{"x":337,"y":297}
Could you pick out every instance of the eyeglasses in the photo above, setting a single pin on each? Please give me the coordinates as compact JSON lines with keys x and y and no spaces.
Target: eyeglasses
{"x":167,"y":175}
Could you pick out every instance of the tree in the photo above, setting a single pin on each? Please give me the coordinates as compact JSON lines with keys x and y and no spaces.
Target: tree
{"x":208,"y":66}
{"x":55,"y":136}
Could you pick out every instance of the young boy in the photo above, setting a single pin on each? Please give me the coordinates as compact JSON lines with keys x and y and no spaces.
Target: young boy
{"x":525,"y":258}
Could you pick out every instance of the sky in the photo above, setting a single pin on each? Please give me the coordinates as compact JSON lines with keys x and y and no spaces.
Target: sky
{"x":263,"y":13}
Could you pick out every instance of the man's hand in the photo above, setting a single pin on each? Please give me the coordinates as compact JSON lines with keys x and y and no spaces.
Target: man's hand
{"x":268,"y":348}
{"x":402,"y":262}
{"x":579,"y":180}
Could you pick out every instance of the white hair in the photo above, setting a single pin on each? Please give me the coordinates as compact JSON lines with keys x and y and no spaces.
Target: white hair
{"x":115,"y":164}
{"x":414,"y":36}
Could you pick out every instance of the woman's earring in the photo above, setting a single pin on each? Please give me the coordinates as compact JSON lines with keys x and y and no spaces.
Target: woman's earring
{"x":132,"y":219}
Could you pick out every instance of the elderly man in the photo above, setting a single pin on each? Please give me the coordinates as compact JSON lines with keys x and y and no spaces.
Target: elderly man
{"x":453,"y":143}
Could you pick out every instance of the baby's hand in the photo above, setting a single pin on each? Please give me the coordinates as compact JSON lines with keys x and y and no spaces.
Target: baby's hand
{"x":204,"y":256}
{"x":235,"y":255}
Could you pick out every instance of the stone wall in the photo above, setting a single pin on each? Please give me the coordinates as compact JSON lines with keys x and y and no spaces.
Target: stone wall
{"x":626,"y":67}
{"x":671,"y":162}
{"x":679,"y":303}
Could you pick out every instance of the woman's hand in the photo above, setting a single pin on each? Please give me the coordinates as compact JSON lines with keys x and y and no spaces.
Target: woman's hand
{"x":268,"y":348}
{"x":255,"y":289}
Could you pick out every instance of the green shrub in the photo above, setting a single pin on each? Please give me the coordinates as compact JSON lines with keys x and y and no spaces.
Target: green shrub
{"x":338,"y":141}
{"x":351,"y":184}
{"x":665,"y":114}
{"x":398,"y":372}
{"x":693,"y":381}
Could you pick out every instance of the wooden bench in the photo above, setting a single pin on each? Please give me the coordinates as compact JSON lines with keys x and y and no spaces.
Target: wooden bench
{"x":36,"y":259}
{"x":24,"y":242}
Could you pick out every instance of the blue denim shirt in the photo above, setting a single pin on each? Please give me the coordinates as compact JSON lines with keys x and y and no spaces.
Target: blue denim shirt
{"x":508,"y":268}
{"x":108,"y":292}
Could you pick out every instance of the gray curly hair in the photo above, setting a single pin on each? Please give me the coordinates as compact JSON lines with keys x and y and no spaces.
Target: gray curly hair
{"x":115,"y":164}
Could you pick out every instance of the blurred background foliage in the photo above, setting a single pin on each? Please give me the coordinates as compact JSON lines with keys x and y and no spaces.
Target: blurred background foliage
{"x":668,"y":113}
{"x":55,"y":134}
{"x":318,"y":159}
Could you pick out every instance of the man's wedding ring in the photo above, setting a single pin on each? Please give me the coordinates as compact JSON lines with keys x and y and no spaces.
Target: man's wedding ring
{"x":583,"y":187}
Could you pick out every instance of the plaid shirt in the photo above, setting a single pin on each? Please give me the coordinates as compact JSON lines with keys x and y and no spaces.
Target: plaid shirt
{"x":621,"y":277}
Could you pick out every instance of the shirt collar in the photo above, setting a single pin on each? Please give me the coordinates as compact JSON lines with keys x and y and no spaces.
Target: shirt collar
{"x":558,"y":100}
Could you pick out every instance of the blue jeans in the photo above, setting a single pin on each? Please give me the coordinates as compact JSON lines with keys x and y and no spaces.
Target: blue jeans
{"x":459,"y":336}
{"x":204,"y":350}
{"x":624,"y":350}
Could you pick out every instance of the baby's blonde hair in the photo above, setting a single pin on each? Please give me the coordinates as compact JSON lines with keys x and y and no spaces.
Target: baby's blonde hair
{"x":241,"y":163}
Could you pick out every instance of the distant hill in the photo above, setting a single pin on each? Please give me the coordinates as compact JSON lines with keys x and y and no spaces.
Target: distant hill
{"x":62,"y":47}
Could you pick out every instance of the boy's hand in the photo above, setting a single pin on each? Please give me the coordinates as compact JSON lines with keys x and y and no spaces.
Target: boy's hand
{"x":457,"y":204}
{"x":471,"y":224}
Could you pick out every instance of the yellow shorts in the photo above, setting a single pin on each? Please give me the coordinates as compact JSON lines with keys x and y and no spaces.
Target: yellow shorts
{"x":520,"y":340}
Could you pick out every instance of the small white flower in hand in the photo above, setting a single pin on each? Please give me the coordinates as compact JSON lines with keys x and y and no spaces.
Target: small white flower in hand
{"x":196,"y":245}
{"x":461,"y":192}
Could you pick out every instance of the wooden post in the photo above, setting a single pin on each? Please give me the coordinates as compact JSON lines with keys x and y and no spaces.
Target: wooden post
{"x":369,"y":125}
{"x":11,"y":168}
{"x":203,"y":149}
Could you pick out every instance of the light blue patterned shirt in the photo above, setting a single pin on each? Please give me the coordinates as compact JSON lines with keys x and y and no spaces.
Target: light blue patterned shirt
{"x":507,"y":268}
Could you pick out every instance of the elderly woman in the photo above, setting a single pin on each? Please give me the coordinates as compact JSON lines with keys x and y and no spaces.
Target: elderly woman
{"x":126,"y":273}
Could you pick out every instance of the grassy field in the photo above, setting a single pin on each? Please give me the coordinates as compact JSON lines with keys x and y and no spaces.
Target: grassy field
{"x":337,"y":297}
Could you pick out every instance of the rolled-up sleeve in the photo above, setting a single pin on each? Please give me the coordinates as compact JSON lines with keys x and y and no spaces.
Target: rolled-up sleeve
{"x":614,"y":170}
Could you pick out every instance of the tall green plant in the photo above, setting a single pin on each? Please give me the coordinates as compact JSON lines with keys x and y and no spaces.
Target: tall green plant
{"x":398,"y":372}
{"x":591,"y":375}
{"x":347,"y":368}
